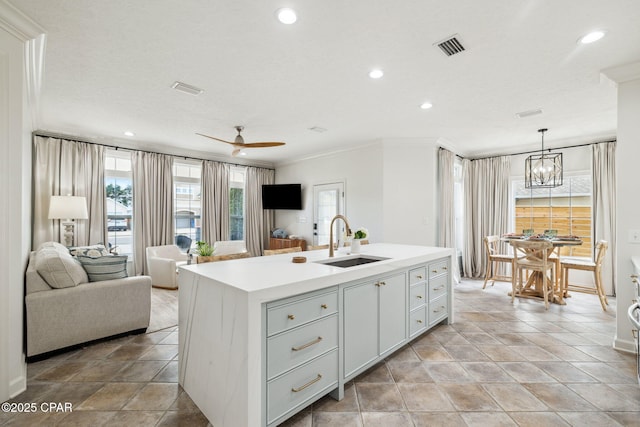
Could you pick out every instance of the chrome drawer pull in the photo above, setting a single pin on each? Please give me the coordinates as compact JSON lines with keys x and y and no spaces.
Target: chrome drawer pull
{"x":309,"y":344}
{"x":434,"y":271}
{"x":419,"y":296}
{"x":313,"y":381}
{"x":419,"y":276}
{"x":291,"y":316}
{"x":419,"y":321}
{"x":438,"y":288}
{"x":444,"y":268}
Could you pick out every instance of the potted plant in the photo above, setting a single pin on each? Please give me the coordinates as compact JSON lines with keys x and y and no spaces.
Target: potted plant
{"x":360,"y":234}
{"x":205,"y":252}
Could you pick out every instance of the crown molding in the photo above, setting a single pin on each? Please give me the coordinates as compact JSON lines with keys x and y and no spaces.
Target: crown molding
{"x":17,"y":23}
{"x":623,"y":73}
{"x":33,"y":36}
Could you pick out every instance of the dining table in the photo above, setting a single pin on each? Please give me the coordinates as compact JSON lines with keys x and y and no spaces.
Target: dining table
{"x":534,"y":284}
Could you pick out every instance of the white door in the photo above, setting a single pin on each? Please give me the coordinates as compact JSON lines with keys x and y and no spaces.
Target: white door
{"x":328,"y":201}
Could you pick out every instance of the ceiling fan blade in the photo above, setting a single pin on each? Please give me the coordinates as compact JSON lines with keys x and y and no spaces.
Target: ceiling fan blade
{"x":262,"y":144}
{"x":217,"y":139}
{"x":235,"y":152}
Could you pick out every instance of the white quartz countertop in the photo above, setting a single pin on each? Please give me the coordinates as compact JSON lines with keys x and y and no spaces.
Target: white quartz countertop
{"x":276,"y":276}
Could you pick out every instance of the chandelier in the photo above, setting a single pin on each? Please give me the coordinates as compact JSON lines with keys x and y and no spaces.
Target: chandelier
{"x":543,"y":170}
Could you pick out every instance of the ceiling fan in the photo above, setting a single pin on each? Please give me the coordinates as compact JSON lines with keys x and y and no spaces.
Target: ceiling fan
{"x":239,"y":143}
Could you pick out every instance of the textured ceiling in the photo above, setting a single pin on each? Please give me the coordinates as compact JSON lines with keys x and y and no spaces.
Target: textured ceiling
{"x":109,"y":67}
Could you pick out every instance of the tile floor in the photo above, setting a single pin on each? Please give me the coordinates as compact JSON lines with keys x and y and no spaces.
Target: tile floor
{"x":498,"y":365}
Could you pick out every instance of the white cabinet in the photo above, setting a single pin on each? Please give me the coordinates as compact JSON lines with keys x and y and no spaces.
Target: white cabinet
{"x":301,"y":351}
{"x":374,"y":320}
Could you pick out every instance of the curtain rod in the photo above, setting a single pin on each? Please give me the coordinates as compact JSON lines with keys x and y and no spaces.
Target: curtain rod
{"x":75,"y":139}
{"x":537,"y":151}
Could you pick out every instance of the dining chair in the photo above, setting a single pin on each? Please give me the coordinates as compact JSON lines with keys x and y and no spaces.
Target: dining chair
{"x":587,"y":265}
{"x":268,"y":252}
{"x":225,"y":257}
{"x":493,"y":260}
{"x":533,"y":256}
{"x":316,"y":247}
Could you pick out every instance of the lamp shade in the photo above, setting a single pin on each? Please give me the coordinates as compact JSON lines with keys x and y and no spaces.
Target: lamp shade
{"x":68,"y":207}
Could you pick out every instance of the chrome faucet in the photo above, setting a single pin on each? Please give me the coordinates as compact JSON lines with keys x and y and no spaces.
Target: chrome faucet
{"x":346,"y":223}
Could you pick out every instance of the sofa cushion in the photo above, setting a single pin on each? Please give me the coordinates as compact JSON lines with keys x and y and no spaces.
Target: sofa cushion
{"x":104,"y":267}
{"x":54,"y":245}
{"x":94,"y":251}
{"x":58,"y":268}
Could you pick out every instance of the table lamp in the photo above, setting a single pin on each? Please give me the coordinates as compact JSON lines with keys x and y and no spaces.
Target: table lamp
{"x":68,"y":208}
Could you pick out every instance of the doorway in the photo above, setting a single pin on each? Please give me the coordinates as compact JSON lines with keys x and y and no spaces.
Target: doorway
{"x":328,"y":201}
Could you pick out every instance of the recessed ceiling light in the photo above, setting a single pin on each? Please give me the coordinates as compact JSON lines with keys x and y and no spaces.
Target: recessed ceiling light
{"x":286,"y":15}
{"x":376,"y":73}
{"x":242,"y":153}
{"x":426,"y":105}
{"x":592,"y":37}
{"x":129,"y":133}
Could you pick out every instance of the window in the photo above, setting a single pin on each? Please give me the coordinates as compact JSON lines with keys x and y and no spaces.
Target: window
{"x":187,"y":199}
{"x":566,"y":209}
{"x":236,"y":203}
{"x":118,"y":180}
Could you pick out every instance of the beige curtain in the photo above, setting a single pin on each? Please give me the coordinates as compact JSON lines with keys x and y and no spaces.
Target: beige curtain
{"x":64,"y":167}
{"x":603,"y":201}
{"x":259,"y":222}
{"x":486,"y":210}
{"x":153,"y":223}
{"x":215,"y":201}
{"x":447,"y":220}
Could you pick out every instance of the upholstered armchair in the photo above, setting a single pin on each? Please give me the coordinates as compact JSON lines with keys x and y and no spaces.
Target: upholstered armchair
{"x":162,"y":265}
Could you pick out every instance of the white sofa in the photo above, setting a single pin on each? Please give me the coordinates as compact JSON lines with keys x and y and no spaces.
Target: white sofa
{"x":64,"y":309}
{"x":162,"y":265}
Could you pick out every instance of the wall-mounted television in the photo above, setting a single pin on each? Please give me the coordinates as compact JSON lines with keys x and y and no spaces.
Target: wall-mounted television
{"x":282,"y":196}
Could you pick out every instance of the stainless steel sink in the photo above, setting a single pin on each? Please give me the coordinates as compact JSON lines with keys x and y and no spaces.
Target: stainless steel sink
{"x":351,"y":261}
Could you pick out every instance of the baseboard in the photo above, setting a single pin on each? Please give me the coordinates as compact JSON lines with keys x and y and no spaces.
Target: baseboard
{"x":624,"y":345}
{"x":18,"y":385}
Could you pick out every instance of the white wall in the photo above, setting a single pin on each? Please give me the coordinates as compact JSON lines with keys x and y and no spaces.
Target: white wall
{"x":390,"y":189}
{"x":410,"y":192}
{"x":360,"y":170}
{"x":15,"y":193}
{"x":628,"y":196}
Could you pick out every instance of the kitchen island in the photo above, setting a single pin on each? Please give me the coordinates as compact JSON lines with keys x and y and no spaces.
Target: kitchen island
{"x":261,"y":338}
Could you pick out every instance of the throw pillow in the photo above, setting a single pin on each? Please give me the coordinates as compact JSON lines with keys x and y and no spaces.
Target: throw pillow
{"x":104,"y":267}
{"x":58,"y":268}
{"x":94,"y":251}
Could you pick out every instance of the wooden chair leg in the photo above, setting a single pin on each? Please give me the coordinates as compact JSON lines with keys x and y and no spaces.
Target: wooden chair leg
{"x":488,"y":273}
{"x":600,"y":291}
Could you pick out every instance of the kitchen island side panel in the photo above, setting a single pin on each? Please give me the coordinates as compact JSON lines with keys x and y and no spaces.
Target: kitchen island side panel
{"x":214,"y":355}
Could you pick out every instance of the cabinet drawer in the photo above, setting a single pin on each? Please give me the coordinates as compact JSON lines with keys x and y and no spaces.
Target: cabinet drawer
{"x":438,"y":309}
{"x":300,"y":345}
{"x":301,"y":385}
{"x":417,"y":296}
{"x":296,"y":313}
{"x":417,"y":320}
{"x":417,"y":275}
{"x":437,"y":268}
{"x":438,"y":286}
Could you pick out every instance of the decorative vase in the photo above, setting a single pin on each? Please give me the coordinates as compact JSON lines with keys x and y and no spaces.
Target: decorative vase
{"x":355,"y":246}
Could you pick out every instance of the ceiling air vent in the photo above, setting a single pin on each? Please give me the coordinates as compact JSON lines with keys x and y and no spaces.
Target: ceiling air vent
{"x":183,"y":87}
{"x":529,"y":113}
{"x":451,"y":45}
